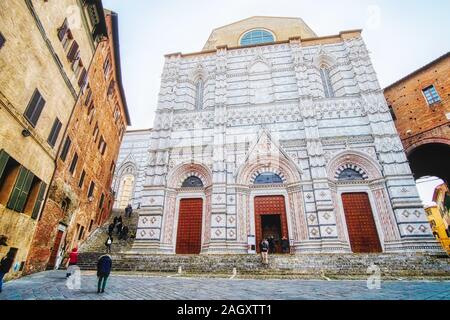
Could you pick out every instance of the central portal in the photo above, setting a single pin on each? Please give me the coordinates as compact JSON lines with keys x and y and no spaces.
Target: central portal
{"x":270,"y":220}
{"x":189,"y":234}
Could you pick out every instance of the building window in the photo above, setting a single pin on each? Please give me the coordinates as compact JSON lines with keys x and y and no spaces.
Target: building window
{"x":102,"y":199}
{"x":73,"y":165}
{"x":65,"y":149}
{"x":268,"y":178}
{"x":34,"y":108}
{"x":90,"y":225}
{"x":9,"y":169}
{"x":102,"y":146}
{"x":21,"y":190}
{"x":82,"y":80}
{"x":350,"y":175}
{"x":199,"y":87}
{"x":83,"y":175}
{"x":81,"y":233}
{"x":65,"y":35}
{"x":54,"y":133}
{"x":431,"y":95}
{"x":91,"y":112}
{"x":91,"y":189}
{"x":391,"y":110}
{"x":107,"y":66}
{"x":96,"y":132}
{"x":192,"y":182}
{"x":88,"y":99}
{"x":326,"y":82}
{"x":113,"y":167}
{"x":257,"y":37}
{"x":111,"y":87}
{"x":2,"y":40}
{"x":73,"y":53}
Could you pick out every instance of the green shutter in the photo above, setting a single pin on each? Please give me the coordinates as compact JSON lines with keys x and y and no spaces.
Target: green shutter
{"x":20,"y":192}
{"x":38,"y":204}
{"x":4,"y":157}
{"x":20,"y":206}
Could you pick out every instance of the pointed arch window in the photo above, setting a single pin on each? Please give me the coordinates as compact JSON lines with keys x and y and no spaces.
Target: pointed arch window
{"x":268,"y":178}
{"x":199,"y":88}
{"x":326,"y":82}
{"x":350,"y":175}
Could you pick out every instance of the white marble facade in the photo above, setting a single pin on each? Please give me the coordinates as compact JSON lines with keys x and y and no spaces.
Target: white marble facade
{"x":270,"y":108}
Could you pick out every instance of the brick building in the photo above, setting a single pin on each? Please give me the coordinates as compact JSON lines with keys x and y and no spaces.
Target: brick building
{"x":45,"y":50}
{"x":80,"y":197}
{"x":420,"y":106}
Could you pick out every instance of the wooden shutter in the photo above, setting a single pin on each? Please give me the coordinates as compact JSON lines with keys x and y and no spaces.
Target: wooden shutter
{"x":4,"y":157}
{"x":62,"y":31}
{"x":66,"y":148}
{"x":73,"y":51}
{"x":40,"y":199}
{"x":83,"y":77}
{"x":34,"y":109}
{"x":53,"y":137}
{"x":21,"y":189}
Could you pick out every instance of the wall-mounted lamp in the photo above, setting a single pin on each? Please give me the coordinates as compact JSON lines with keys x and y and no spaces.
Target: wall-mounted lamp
{"x":26,"y":133}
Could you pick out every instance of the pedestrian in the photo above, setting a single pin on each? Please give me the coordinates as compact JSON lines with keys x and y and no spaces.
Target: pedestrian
{"x":115,"y":221}
{"x":111,"y":229}
{"x":73,"y":260}
{"x":5,"y":266}
{"x":285,"y":245}
{"x":108,"y":243}
{"x":119,"y":228}
{"x":271,"y":241}
{"x":130,"y":211}
{"x":104,"y":266}
{"x":124,"y":233}
{"x":127,"y":208}
{"x":265,"y":251}
{"x":119,"y":220}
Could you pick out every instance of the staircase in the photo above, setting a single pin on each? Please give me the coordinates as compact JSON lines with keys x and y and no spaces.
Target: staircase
{"x":96,"y":241}
{"x":347,"y":266}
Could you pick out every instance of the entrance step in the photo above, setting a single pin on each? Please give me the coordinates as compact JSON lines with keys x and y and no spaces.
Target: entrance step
{"x":308,"y":266}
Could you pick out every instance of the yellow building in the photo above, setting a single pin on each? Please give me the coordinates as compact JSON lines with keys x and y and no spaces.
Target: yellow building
{"x":46,"y":48}
{"x":439,"y":226}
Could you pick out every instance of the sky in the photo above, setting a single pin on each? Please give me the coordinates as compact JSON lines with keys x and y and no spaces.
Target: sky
{"x":401,"y":35}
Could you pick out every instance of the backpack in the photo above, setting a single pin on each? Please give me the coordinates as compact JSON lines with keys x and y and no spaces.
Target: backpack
{"x":265,"y":245}
{"x":108,"y":242}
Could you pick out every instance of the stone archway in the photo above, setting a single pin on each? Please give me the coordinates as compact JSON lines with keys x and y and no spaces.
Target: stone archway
{"x":430,"y":158}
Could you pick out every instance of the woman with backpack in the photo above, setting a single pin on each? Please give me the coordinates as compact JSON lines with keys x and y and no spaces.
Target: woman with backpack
{"x":108,"y":243}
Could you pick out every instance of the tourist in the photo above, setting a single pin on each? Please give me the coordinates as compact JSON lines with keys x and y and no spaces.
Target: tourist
{"x":111,"y":229}
{"x":5,"y":266}
{"x":104,"y":266}
{"x":124,"y":233}
{"x":73,"y":260}
{"x":119,"y":220}
{"x":265,"y":251}
{"x":119,"y":228}
{"x":285,"y":245}
{"x":271,"y":244}
{"x":130,"y":210}
{"x":115,"y":221}
{"x":108,"y":243}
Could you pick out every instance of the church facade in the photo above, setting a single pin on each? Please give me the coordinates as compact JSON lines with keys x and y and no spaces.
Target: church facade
{"x":272,"y":131}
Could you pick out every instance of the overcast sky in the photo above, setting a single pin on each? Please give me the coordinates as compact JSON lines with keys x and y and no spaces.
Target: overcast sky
{"x":402,"y":35}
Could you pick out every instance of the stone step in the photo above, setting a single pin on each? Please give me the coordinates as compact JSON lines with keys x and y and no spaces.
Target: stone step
{"x":344,"y":265}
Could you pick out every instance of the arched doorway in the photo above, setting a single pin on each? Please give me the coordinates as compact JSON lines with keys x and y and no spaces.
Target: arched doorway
{"x":430,"y":159}
{"x":125,"y":191}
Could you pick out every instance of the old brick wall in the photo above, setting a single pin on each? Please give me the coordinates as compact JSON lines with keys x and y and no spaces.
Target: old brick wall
{"x":417,"y":122}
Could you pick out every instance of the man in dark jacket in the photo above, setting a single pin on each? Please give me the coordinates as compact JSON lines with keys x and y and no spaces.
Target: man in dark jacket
{"x":104,"y":266}
{"x":5,"y":266}
{"x":111,"y":229}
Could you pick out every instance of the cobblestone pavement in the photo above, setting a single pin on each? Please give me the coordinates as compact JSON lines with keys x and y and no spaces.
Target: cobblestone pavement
{"x":52,"y":286}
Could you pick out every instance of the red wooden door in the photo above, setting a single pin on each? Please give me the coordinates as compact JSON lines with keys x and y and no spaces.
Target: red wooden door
{"x":189,"y":233}
{"x":270,"y":206}
{"x":361,"y":227}
{"x":54,"y":254}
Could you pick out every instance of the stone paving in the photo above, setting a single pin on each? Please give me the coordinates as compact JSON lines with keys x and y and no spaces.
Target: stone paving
{"x":52,"y":286}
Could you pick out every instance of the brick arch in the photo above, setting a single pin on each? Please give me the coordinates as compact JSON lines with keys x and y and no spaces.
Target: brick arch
{"x":352,"y":166}
{"x":354,"y":159}
{"x":410,"y":149}
{"x":283,"y":167}
{"x":182,"y":172}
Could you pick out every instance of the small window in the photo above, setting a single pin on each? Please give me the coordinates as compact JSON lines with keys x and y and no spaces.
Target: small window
{"x":102,"y":199}
{"x":268,"y":178}
{"x":2,"y":40}
{"x":65,"y":149}
{"x":102,"y":146}
{"x":83,"y":175}
{"x":107,"y":66}
{"x":257,"y":37}
{"x":192,"y":182}
{"x":199,"y":88}
{"x":113,"y":167}
{"x":73,"y":165}
{"x":73,"y":52}
{"x":81,"y":233}
{"x":9,"y":169}
{"x":21,"y":190}
{"x":54,"y":133}
{"x":90,"y":225}
{"x":431,"y":95}
{"x":88,"y":99}
{"x":391,"y":110}
{"x":91,"y":189}
{"x":34,"y":109}
{"x":326,"y":82}
{"x":96,"y":132}
{"x":350,"y":175}
{"x":82,"y":80}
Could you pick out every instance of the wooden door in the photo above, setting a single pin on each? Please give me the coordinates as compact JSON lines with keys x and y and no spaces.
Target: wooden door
{"x":55,"y":250}
{"x":362,"y":230}
{"x":189,"y":233}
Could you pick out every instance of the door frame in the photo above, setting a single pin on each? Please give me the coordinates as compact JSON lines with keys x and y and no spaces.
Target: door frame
{"x":263,"y":192}
{"x":375,"y":214}
{"x":185,"y":196}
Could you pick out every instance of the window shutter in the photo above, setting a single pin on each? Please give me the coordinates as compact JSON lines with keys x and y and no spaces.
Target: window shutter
{"x":62,"y":31}
{"x":34,"y":109}
{"x":73,"y":51}
{"x":4,"y":157}
{"x":82,"y":80}
{"x":20,"y":192}
{"x":53,"y":137}
{"x":40,"y":199}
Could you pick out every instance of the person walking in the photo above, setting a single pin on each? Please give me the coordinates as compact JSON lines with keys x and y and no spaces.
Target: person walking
{"x":104,"y":266}
{"x":115,"y":221}
{"x":111,"y":229}
{"x":108,"y":243}
{"x":130,"y":211}
{"x":285,"y":245}
{"x":271,"y":241}
{"x":124,"y":234}
{"x":73,"y":260}
{"x":5,"y":266}
{"x":265,"y":251}
{"x":119,"y":228}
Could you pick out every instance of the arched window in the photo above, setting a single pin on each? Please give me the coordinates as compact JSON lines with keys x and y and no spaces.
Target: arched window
{"x":268,"y":178}
{"x":199,"y":87}
{"x":326,"y":82}
{"x":350,"y":175}
{"x":256,"y":37}
{"x":192,"y":182}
